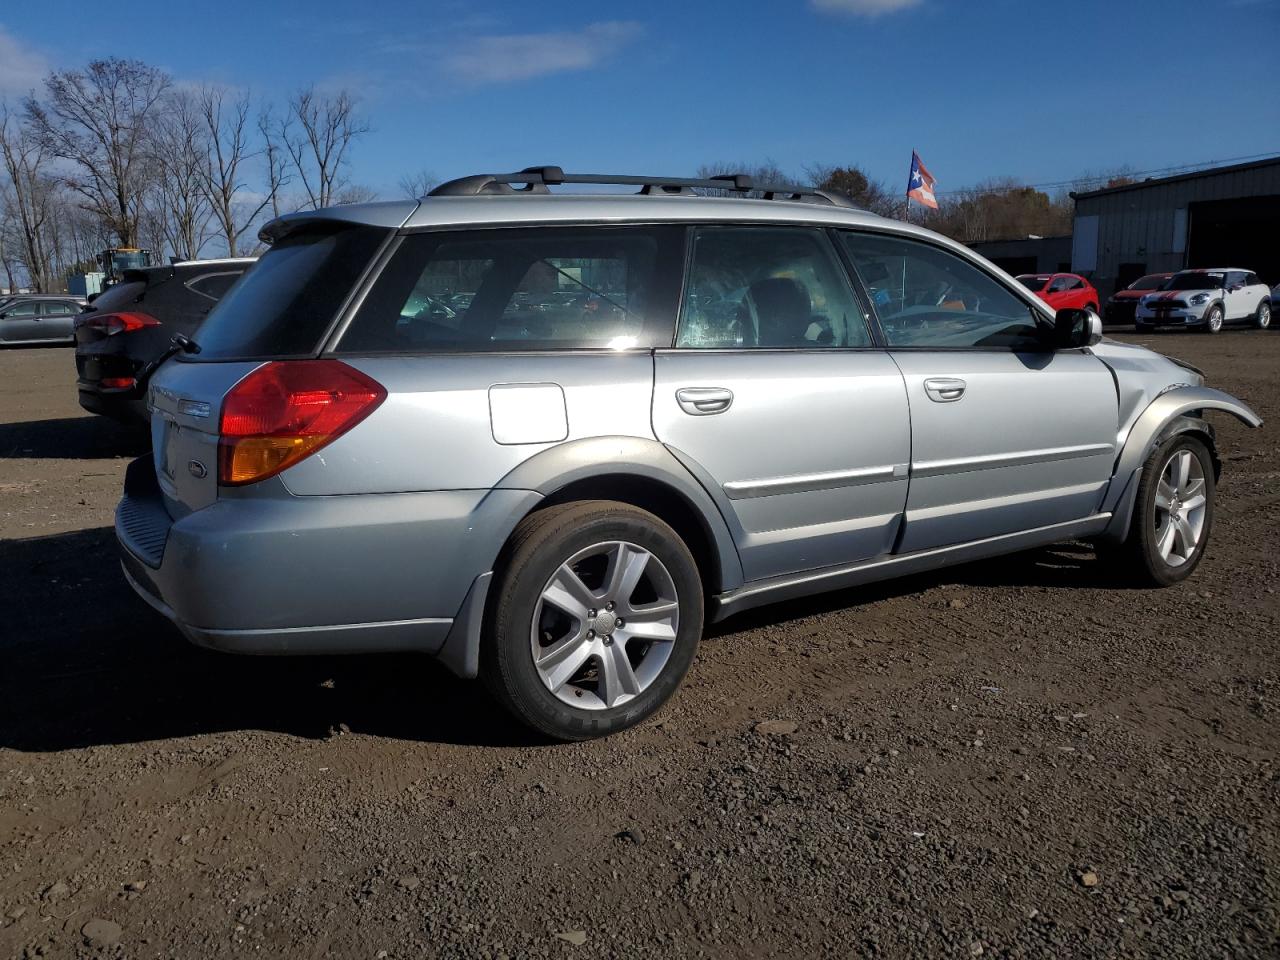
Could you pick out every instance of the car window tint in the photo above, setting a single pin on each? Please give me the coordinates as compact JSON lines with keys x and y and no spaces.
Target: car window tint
{"x":214,"y":285}
{"x":29,"y":308}
{"x":928,"y":297}
{"x":119,"y":296}
{"x":523,"y":289}
{"x":283,"y":305}
{"x":768,"y":287}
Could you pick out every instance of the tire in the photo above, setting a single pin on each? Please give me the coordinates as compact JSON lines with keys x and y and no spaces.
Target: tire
{"x":1140,"y":327}
{"x":596,"y":676}
{"x":1141,"y":559}
{"x":1262,"y":318}
{"x":1091,"y":306}
{"x":1213,"y":319}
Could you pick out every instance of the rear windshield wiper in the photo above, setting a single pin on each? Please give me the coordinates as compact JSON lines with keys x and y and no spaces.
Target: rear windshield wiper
{"x":178,"y":343}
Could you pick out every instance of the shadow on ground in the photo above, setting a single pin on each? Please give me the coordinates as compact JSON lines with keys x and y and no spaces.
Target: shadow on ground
{"x":71,"y":438}
{"x":85,"y":662}
{"x":88,"y":663}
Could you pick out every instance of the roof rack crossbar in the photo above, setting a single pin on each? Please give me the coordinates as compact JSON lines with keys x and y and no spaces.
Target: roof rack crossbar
{"x":537,"y":179}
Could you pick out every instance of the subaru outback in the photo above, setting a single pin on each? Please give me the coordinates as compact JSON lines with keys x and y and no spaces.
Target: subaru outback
{"x":546,"y":437}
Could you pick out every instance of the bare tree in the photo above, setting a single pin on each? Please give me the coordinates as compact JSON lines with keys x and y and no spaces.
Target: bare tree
{"x":317,"y":133}
{"x":30,"y":196}
{"x":355,"y":193}
{"x":416,"y":185}
{"x":226,"y":124}
{"x":178,"y":201}
{"x":765,"y":173}
{"x":97,"y":119}
{"x":276,"y":158}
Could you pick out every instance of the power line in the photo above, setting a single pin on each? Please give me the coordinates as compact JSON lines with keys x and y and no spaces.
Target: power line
{"x":1101,"y":179}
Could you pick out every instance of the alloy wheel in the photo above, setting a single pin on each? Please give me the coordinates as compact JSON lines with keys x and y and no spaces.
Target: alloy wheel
{"x":605,"y":625}
{"x":1181,"y":498}
{"x":1215,"y":320}
{"x":1264,"y":316}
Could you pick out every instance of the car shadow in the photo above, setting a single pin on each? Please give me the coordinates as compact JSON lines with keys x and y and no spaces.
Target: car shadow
{"x":86,"y":663}
{"x":72,"y":438}
{"x":1065,"y":566}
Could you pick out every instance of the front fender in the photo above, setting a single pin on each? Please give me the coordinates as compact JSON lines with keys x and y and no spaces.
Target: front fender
{"x":1148,"y":431}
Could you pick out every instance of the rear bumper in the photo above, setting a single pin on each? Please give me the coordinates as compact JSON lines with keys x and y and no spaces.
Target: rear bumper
{"x":303,"y":575}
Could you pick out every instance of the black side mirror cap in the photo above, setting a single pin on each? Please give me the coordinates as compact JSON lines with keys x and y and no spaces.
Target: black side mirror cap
{"x":1073,"y":327}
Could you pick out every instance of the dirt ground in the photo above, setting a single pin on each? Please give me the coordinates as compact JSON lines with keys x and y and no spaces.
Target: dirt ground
{"x":1007,"y":759}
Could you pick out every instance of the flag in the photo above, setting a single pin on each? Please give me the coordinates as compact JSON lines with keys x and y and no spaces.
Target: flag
{"x":920,"y":186}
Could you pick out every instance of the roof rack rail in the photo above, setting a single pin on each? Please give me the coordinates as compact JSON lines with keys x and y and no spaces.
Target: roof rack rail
{"x":536,"y":180}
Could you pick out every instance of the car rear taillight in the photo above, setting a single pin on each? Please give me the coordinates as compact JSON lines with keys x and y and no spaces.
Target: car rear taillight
{"x":118,"y":383}
{"x":286,"y":410}
{"x":113,"y":323}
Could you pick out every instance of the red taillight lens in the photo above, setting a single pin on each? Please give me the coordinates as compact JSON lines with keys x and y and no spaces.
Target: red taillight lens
{"x":286,"y":410}
{"x":117,"y":383}
{"x":113,"y":323}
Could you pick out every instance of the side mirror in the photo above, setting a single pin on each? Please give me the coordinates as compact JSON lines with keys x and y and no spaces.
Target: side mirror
{"x":1076,"y":328}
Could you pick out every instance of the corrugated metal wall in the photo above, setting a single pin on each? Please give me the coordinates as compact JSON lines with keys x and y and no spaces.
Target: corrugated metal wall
{"x":1138,"y":225}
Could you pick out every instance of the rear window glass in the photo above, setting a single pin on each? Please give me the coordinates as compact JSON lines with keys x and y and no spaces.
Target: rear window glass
{"x":524,"y":289}
{"x":122,"y":294}
{"x":284,"y":304}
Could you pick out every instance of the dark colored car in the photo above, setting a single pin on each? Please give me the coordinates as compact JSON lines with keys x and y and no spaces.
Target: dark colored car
{"x":131,"y":325}
{"x":38,"y":318}
{"x":1122,"y":304}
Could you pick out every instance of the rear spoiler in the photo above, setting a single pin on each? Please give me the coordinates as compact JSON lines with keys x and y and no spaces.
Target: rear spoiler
{"x":390,"y":214}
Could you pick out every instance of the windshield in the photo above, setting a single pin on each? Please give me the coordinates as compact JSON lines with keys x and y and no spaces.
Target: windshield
{"x":1195,"y":281}
{"x":1034,"y":284}
{"x":285,"y":302}
{"x":1153,"y":282}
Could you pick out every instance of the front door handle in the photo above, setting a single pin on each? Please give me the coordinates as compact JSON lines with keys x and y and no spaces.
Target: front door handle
{"x":704,"y":401}
{"x":944,"y":389}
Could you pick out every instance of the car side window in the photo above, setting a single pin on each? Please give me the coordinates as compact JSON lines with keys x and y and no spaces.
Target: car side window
{"x":213,"y":285}
{"x":927,"y":297}
{"x":768,"y":288}
{"x":1059,"y":284}
{"x":29,"y":309}
{"x":543,"y":288}
{"x":1251,"y":279}
{"x":1073,"y":283}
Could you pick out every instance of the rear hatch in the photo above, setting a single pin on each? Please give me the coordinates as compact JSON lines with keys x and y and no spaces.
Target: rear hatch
{"x":282,"y":309}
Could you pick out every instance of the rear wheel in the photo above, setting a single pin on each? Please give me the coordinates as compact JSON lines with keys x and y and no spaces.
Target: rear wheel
{"x":1262,"y":319}
{"x":1172,"y":515}
{"x":596,"y":617}
{"x":1213,"y":319}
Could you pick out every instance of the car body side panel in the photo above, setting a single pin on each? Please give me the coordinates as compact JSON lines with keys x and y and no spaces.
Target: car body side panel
{"x":811,"y":453}
{"x":1030,"y":443}
{"x":442,"y":426}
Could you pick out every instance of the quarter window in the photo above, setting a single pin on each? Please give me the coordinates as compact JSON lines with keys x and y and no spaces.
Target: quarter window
{"x":768,"y":287}
{"x":927,"y":297}
{"x":525,"y":289}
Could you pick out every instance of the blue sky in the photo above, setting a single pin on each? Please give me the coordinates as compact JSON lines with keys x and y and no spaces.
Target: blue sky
{"x":981,"y":88}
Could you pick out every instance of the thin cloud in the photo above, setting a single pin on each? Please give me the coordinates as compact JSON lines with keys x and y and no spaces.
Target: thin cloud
{"x":863,"y":8}
{"x":524,"y":56}
{"x":21,"y":68}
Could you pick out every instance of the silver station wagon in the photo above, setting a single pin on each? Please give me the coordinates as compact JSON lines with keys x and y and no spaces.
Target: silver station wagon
{"x":545,"y":437}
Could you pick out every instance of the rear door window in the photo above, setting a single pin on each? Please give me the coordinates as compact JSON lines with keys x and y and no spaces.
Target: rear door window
{"x":546,"y":288}
{"x":285,"y":303}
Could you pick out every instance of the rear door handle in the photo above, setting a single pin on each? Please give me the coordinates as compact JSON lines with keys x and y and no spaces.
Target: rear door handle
{"x":944,"y":389}
{"x":704,"y":401}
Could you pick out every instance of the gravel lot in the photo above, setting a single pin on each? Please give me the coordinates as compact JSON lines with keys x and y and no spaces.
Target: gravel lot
{"x":1008,"y":759}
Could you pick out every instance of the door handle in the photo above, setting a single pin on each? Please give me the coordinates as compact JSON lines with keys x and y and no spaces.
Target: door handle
{"x":704,"y":401}
{"x":944,"y":389}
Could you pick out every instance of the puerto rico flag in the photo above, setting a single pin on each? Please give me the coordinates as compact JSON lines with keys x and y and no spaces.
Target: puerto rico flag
{"x":920,"y":186}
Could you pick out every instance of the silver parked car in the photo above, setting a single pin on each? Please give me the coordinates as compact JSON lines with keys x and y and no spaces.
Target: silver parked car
{"x":648,"y":411}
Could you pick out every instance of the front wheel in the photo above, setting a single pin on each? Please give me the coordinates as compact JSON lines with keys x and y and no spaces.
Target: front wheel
{"x":1262,"y":319}
{"x":596,"y":615}
{"x":1213,"y":319}
{"x":1172,"y":515}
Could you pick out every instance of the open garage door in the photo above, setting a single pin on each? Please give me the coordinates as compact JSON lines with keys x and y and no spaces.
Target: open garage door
{"x":1236,"y":233}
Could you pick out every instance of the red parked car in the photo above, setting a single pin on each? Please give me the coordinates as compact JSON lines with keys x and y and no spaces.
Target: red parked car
{"x":1060,"y":290}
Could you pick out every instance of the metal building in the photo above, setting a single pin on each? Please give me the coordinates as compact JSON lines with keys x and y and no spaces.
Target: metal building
{"x":1032,"y":255}
{"x":1220,"y":217}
